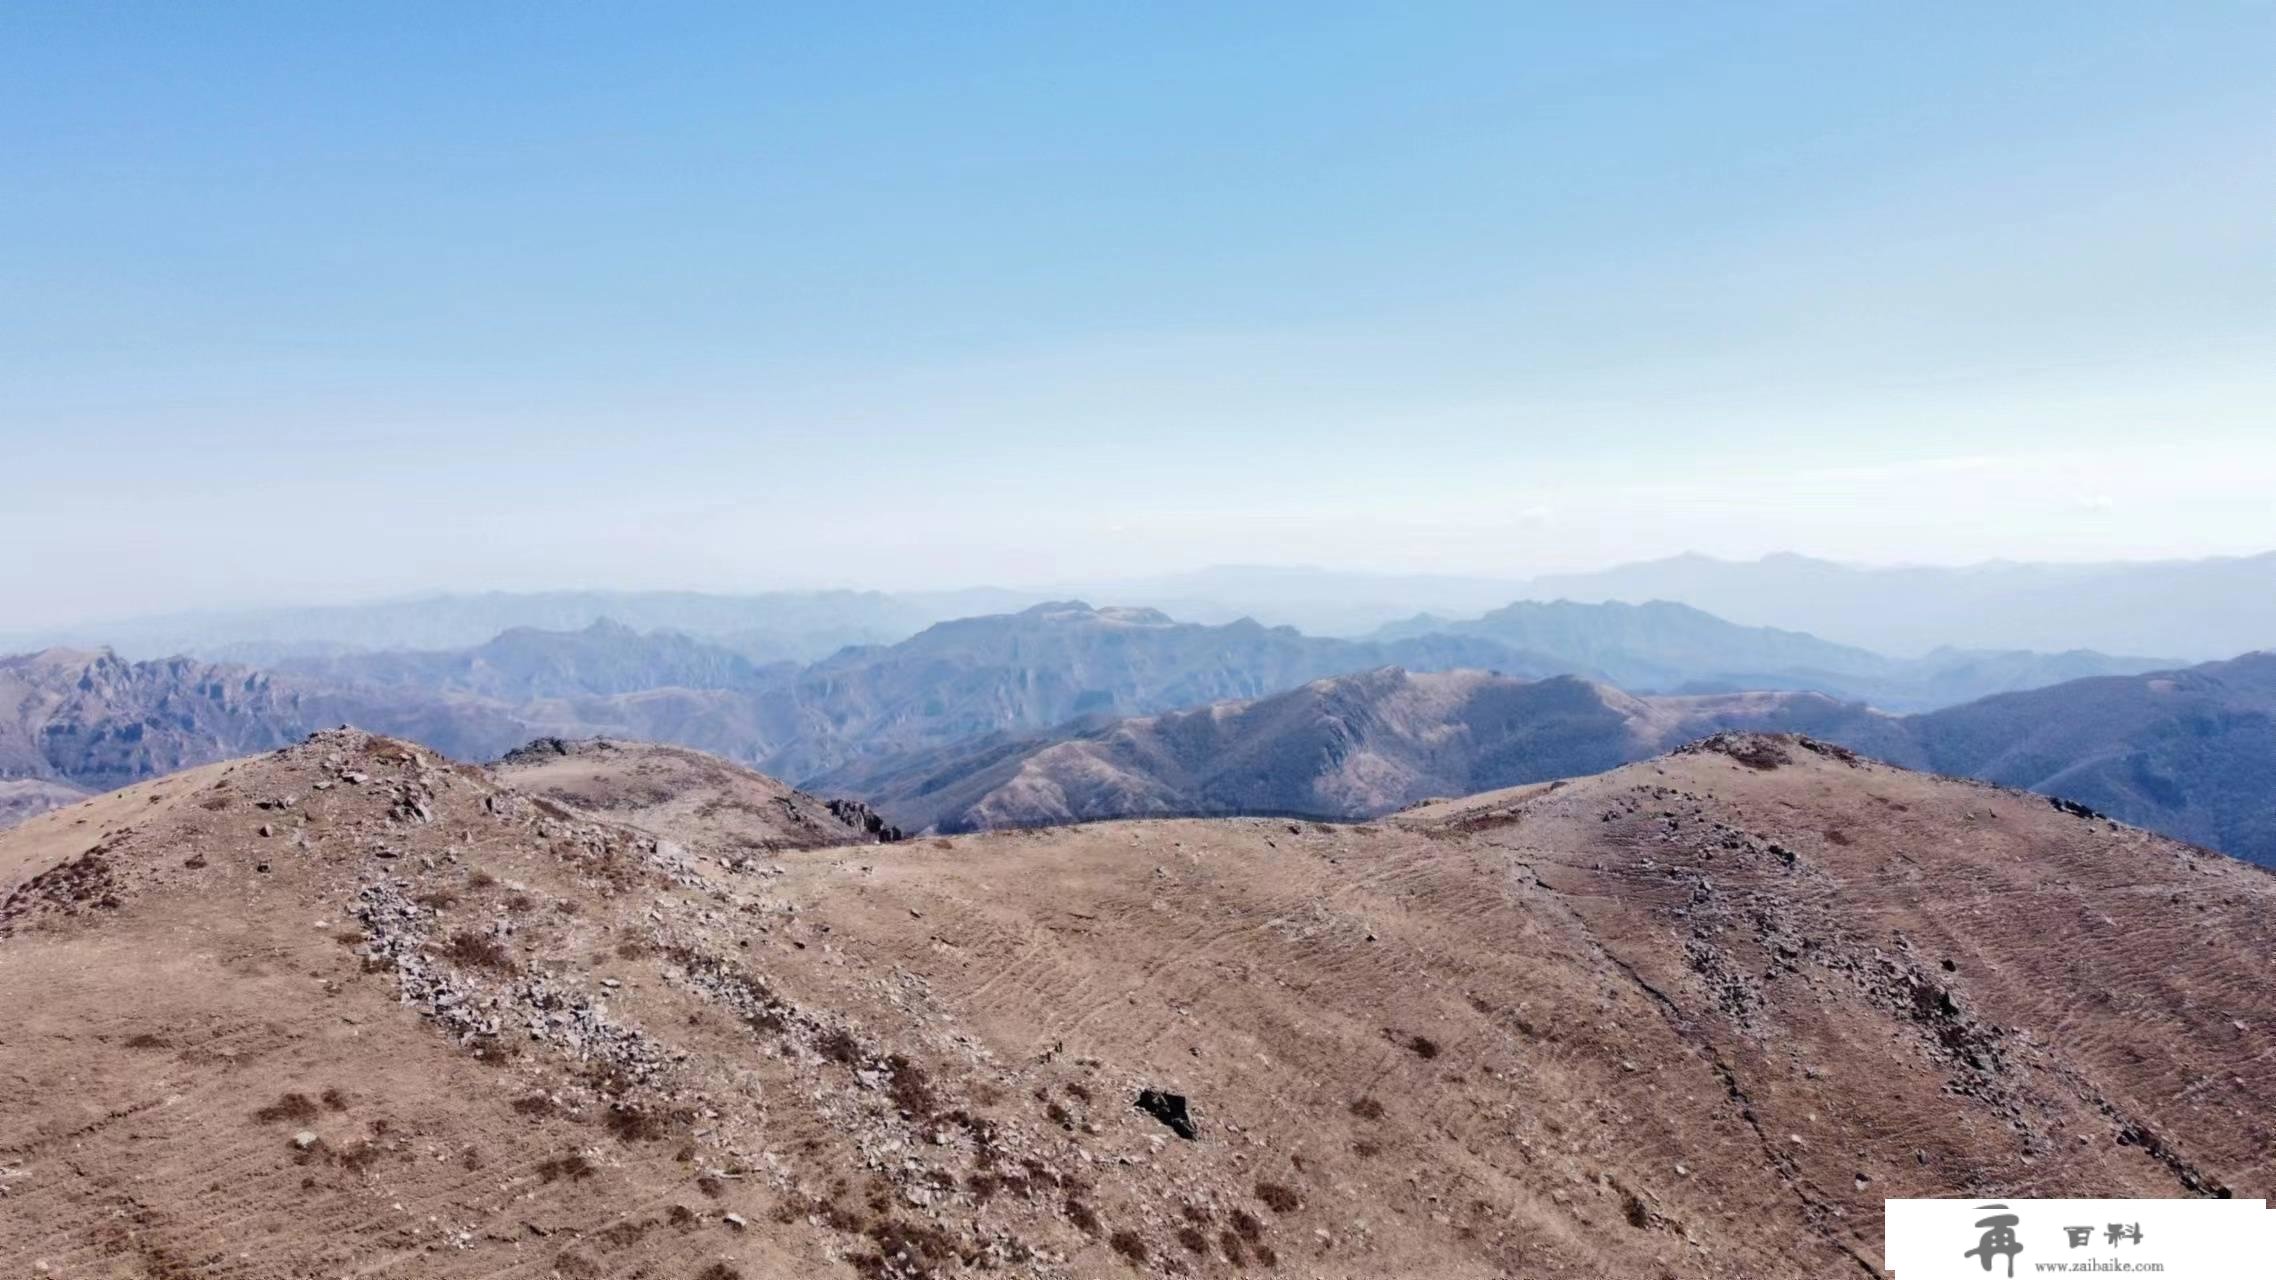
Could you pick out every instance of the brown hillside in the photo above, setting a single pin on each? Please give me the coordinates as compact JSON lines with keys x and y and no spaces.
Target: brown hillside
{"x":350,"y":1009}
{"x":701,"y":801}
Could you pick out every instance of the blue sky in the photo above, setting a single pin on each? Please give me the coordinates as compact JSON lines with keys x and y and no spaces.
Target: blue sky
{"x":318,"y":302}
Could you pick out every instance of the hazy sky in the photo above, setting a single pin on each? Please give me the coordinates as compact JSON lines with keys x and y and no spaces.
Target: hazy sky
{"x":313,"y":302}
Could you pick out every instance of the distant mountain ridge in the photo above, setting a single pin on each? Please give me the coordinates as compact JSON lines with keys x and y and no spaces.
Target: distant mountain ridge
{"x":94,"y":721}
{"x":1063,"y":660}
{"x":2192,"y":609}
{"x":1662,"y":646}
{"x":1350,"y":746}
{"x":765,"y":626}
{"x":963,"y":699}
{"x":599,"y":660}
{"x":2189,"y":753}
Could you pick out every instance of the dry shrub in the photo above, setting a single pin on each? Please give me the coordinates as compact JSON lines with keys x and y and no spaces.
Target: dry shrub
{"x":1367,"y":1109}
{"x":360,"y":1157}
{"x":1424,"y":1047}
{"x":1278,"y":1198}
{"x":632,"y":1124}
{"x":909,"y":1087}
{"x":624,"y":1235}
{"x":495,"y":1051}
{"x":293,"y":1106}
{"x":1193,"y":1240}
{"x":479,"y":951}
{"x":915,"y":1240}
{"x":838,"y":1045}
{"x":1127,"y":1243}
{"x":573,"y":1166}
{"x":1084,"y":1218}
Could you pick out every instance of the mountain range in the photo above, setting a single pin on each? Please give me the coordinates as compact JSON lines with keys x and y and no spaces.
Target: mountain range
{"x":2189,"y":753}
{"x":2186,"y":610}
{"x":2190,"y":609}
{"x":937,"y":728}
{"x":1350,"y":746}
{"x":765,"y":627}
{"x":1663,"y":647}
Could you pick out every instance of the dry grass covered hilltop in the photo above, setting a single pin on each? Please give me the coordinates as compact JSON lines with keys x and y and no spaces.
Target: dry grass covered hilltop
{"x":351,"y":1009}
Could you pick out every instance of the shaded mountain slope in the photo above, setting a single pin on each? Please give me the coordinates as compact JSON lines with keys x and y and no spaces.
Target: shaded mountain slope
{"x":2191,"y":753}
{"x":1058,"y":662}
{"x":350,"y":1008}
{"x":1346,"y":747}
{"x":94,"y":721}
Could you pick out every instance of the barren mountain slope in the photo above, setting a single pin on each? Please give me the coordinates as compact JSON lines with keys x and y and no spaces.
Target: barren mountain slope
{"x":349,"y":1009}
{"x":711,"y":806}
